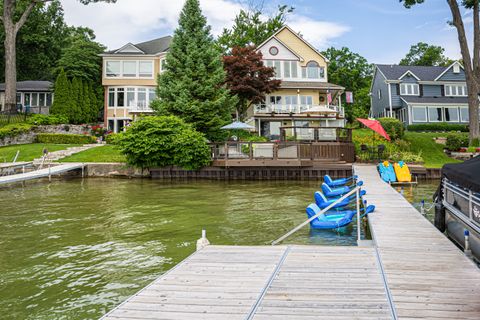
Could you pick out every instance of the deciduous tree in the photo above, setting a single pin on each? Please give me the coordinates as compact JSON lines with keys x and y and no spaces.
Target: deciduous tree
{"x":352,"y":71}
{"x":14,"y":17}
{"x":248,"y":78}
{"x":250,"y":27}
{"x":423,"y":54}
{"x":471,"y":64}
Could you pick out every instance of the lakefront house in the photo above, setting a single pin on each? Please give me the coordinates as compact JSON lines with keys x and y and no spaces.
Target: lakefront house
{"x":130,"y":80}
{"x":32,"y":96}
{"x":305,"y":97}
{"x":420,"y":94}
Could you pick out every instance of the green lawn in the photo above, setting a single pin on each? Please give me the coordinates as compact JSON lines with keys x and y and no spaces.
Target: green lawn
{"x":107,"y":153}
{"x":432,"y":152}
{"x":28,"y":152}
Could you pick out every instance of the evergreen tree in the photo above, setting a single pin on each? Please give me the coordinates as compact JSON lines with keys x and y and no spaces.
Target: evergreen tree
{"x":192,"y":87}
{"x":75,"y":111}
{"x":94,"y":110}
{"x":86,"y":104}
{"x":62,"y":100}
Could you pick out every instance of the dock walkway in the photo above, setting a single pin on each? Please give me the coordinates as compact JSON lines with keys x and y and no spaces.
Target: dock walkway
{"x":412,"y":272}
{"x":42,"y":173}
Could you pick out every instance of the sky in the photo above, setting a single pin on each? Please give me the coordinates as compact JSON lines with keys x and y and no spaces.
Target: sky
{"x":380,"y":30}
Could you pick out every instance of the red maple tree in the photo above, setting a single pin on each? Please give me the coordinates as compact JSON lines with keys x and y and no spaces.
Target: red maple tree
{"x":248,"y":78}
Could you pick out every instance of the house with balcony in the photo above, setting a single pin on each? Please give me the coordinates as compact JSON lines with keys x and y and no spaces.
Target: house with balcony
{"x":420,"y":94}
{"x":305,"y":98}
{"x":130,"y":79}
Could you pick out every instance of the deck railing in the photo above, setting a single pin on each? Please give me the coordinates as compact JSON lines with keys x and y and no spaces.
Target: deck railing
{"x":286,"y":150}
{"x":292,"y":108}
{"x":316,"y":134}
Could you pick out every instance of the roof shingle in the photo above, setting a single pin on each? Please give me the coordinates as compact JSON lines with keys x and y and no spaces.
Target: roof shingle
{"x":425,"y":73}
{"x":154,"y":46}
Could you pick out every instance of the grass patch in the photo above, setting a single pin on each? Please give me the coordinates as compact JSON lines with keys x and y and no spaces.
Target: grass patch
{"x":108,"y":153}
{"x":432,"y":152}
{"x":28,"y":152}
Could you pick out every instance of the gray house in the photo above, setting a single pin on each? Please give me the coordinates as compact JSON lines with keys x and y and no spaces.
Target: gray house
{"x":420,"y":94}
{"x":32,"y":96}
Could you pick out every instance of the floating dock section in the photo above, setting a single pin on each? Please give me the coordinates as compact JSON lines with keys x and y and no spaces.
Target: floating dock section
{"x":42,"y":173}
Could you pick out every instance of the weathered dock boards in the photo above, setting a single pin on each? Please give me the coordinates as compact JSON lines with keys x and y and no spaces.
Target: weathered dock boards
{"x":428,"y":276}
{"x":293,"y":282}
{"x":42,"y":173}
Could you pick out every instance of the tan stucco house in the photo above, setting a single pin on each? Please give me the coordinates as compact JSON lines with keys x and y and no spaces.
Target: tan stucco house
{"x":130,"y":78}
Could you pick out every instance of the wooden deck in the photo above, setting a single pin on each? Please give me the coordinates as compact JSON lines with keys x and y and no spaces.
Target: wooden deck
{"x":412,"y":272}
{"x":42,"y":173}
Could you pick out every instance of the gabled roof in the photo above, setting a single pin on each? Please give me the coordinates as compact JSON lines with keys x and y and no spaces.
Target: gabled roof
{"x":31,"y":85}
{"x":283,"y":44}
{"x":409,"y":73}
{"x":423,"y":73}
{"x":151,"y":47}
{"x":298,"y":36}
{"x":448,"y":68}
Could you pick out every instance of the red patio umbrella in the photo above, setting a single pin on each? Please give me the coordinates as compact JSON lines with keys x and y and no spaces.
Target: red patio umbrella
{"x":375,"y":126}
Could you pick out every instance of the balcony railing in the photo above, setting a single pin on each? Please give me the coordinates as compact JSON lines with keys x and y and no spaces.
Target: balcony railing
{"x":293,"y":108}
{"x":316,"y":134}
{"x":139,"y":107}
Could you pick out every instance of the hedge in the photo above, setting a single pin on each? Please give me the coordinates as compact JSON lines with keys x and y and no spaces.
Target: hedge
{"x":438,"y":127}
{"x":393,"y":127}
{"x":42,"y":119}
{"x":59,"y":138}
{"x":456,"y":140}
{"x":12,"y":130}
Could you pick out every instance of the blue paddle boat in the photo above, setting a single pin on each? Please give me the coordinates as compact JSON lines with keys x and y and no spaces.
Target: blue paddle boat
{"x":352,"y":197}
{"x":322,"y":202}
{"x":338,"y":182}
{"x":332,"y":192}
{"x":335,"y":220}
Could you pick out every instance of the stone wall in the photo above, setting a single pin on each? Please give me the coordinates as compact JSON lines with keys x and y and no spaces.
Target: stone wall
{"x":115,"y":170}
{"x":63,"y":129}
{"x":28,"y":137}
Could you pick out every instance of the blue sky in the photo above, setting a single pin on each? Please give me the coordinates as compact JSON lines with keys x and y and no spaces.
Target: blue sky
{"x":380,"y":30}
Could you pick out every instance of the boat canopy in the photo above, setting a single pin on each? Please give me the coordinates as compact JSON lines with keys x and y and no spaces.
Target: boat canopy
{"x":466,"y":174}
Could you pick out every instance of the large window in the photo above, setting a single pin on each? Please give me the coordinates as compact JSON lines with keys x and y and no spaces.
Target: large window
{"x":464,"y":116}
{"x":455,"y":90}
{"x":131,"y":97}
{"x":409,"y":89}
{"x":313,"y":71}
{"x":419,"y":114}
{"x":435,"y":114}
{"x":129,"y":69}
{"x":293,"y":100}
{"x":113,"y":69}
{"x":306,"y":100}
{"x":451,"y":114}
{"x":145,"y":69}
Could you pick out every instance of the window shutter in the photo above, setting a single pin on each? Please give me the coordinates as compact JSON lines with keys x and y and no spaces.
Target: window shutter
{"x":420,"y":86}
{"x":442,"y":90}
{"x":398,"y":89}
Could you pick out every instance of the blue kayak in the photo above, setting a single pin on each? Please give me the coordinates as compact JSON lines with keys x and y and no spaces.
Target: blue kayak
{"x":334,"y":220}
{"x":387,"y":173}
{"x":338,"y":182}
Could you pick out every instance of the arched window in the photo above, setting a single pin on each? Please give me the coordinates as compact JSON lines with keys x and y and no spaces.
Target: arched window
{"x":314,"y":71}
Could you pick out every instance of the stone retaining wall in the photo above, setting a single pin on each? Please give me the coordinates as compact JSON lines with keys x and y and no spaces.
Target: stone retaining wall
{"x":115,"y":170}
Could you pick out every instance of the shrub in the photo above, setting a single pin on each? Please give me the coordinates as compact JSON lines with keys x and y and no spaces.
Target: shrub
{"x":42,"y":119}
{"x":456,"y":140}
{"x":12,"y":130}
{"x":59,"y":138}
{"x":111,"y":138}
{"x":394,"y":127}
{"x":161,"y":141}
{"x":438,"y":127}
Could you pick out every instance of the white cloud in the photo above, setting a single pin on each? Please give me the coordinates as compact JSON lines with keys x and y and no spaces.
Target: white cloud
{"x":140,"y":20}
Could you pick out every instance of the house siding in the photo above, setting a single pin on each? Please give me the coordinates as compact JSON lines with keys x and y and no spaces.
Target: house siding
{"x":450,"y":76}
{"x":396,"y":102}
{"x":432,"y":90}
{"x":379,"y":105}
{"x":409,"y":79}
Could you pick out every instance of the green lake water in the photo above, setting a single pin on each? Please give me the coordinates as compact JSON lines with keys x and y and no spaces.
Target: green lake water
{"x":423,"y":191}
{"x":74,"y":249}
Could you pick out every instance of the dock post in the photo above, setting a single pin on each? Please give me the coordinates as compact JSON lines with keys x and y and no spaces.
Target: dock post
{"x":83,"y":170}
{"x":203,"y":241}
{"x":358,"y":216}
{"x":467,"y":250}
{"x":49,"y":174}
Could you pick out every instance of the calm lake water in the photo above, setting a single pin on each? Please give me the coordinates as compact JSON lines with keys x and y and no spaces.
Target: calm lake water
{"x":423,"y":191}
{"x":74,"y":249}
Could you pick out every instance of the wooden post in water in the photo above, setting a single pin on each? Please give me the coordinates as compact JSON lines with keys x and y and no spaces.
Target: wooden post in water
{"x":203,"y":241}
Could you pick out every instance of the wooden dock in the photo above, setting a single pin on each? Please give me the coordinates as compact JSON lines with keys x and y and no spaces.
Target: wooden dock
{"x":42,"y":173}
{"x":411,"y":272}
